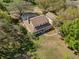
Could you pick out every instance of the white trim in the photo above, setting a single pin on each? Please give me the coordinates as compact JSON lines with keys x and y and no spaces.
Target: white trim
{"x":50,"y":21}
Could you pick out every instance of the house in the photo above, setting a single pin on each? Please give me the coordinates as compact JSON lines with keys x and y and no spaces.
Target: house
{"x":51,"y":17}
{"x":37,"y":25}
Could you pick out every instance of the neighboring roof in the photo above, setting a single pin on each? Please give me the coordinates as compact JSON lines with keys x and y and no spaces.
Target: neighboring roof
{"x":72,"y":2}
{"x":51,"y":15}
{"x":28,"y":15}
{"x":39,"y":20}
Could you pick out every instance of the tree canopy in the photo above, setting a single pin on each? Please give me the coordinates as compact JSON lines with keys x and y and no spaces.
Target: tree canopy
{"x":14,"y":40}
{"x":51,"y":5}
{"x":70,"y":30}
{"x":7,"y":1}
{"x":69,"y":13}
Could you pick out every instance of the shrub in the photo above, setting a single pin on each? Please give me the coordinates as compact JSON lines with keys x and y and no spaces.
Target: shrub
{"x":70,"y":31}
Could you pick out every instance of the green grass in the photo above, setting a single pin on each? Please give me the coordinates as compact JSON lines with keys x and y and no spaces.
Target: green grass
{"x":17,"y":1}
{"x":14,"y":1}
{"x":40,"y":40}
{"x":11,"y":5}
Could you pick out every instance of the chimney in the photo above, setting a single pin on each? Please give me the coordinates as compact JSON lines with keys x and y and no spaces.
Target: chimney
{"x":28,"y":20}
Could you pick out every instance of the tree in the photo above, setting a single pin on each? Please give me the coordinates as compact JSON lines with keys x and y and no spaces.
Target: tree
{"x":32,"y":1}
{"x":2,"y":7}
{"x":7,"y":1}
{"x":68,"y":14}
{"x":50,"y":5}
{"x":70,"y":31}
{"x":14,"y":41}
{"x":4,"y":14}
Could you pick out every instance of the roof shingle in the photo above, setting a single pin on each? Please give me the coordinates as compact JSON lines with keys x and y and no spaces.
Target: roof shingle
{"x":39,"y":20}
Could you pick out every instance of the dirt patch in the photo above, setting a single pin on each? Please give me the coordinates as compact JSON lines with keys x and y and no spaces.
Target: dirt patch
{"x":52,"y":47}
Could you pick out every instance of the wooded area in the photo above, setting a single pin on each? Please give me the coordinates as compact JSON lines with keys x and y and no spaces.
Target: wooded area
{"x":15,"y":40}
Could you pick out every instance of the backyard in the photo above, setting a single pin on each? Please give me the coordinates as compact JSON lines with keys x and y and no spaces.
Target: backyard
{"x":52,"y":47}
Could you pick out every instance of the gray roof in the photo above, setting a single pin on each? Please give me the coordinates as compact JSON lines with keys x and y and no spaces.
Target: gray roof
{"x":28,"y":15}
